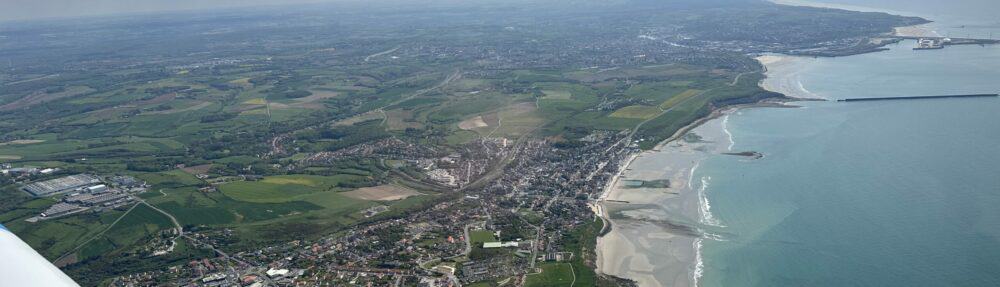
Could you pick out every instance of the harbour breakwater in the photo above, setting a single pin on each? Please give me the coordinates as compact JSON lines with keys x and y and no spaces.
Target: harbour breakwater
{"x":918,"y":97}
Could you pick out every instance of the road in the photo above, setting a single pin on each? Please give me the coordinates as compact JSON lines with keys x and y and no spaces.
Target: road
{"x":369,"y":57}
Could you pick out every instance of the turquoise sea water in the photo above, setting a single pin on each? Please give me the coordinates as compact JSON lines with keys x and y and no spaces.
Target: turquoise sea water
{"x":895,"y":193}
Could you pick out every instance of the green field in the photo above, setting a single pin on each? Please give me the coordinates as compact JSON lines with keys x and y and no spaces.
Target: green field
{"x":690,"y":105}
{"x":283,"y":188}
{"x":169,"y":179}
{"x":481,"y":236}
{"x":54,"y":237}
{"x":553,"y":275}
{"x":142,"y":222}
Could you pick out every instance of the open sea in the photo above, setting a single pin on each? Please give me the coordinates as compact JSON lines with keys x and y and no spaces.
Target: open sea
{"x":889,"y":193}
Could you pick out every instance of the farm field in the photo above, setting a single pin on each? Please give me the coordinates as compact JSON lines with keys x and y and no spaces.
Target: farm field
{"x":636,"y":112}
{"x":683,"y":96}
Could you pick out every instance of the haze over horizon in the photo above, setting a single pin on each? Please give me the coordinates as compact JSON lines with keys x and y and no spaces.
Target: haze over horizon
{"x":12,"y":10}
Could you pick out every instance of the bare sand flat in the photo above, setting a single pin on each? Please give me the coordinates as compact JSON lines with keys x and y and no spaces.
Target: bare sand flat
{"x":385,"y":192}
{"x":916,"y":31}
{"x":473,"y":123}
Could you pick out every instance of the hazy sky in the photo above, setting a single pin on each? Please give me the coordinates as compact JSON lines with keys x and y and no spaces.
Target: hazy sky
{"x":37,"y":9}
{"x":981,"y":10}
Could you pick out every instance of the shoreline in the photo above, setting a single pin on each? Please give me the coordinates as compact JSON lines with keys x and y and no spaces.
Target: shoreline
{"x":856,"y":8}
{"x":680,"y":225}
{"x":878,"y":43}
{"x":677,"y":216}
{"x":781,"y":76}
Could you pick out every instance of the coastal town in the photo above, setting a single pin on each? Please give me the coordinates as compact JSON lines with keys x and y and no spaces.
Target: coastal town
{"x":504,"y":229}
{"x":375,"y":145}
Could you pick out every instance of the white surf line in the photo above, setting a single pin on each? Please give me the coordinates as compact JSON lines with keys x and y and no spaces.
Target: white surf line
{"x":704,"y":207}
{"x":802,"y":88}
{"x":691,"y":175}
{"x":725,"y":128}
{"x":699,"y":264}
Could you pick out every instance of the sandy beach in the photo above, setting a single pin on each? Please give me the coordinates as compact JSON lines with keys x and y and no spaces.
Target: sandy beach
{"x":656,"y":230}
{"x":783,"y":75}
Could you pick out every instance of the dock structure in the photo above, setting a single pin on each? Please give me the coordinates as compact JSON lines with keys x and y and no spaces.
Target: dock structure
{"x":930,"y":44}
{"x":934,"y":43}
{"x":918,"y":97}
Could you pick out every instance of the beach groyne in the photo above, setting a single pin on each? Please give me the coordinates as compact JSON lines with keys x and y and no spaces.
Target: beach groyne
{"x":918,"y":97}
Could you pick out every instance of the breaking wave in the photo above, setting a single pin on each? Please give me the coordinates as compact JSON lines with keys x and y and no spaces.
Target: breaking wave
{"x":704,"y":207}
{"x":725,"y":128}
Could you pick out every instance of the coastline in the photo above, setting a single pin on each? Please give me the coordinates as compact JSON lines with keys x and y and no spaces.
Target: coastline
{"x":782,"y":76}
{"x":921,"y":30}
{"x":665,"y":225}
{"x":668,"y":225}
{"x":645,"y":217}
{"x":857,"y":8}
